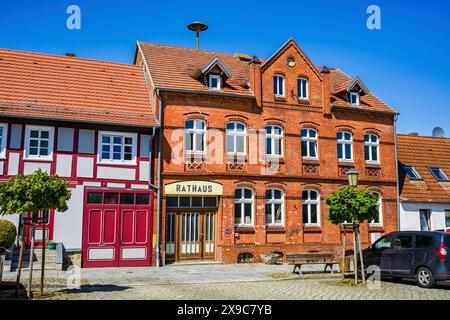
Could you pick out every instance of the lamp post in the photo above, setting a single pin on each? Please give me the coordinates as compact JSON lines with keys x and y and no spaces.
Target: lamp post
{"x":353,"y":176}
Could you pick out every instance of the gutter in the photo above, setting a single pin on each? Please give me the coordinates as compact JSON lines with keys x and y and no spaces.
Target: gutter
{"x":158,"y":205}
{"x":353,"y":108}
{"x":225,"y":94}
{"x":396,"y":170}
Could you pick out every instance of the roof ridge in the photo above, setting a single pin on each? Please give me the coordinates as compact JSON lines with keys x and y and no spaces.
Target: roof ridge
{"x":53,"y":55}
{"x":420,"y":136}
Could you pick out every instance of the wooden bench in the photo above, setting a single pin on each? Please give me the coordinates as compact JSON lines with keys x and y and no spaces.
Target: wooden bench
{"x":299,"y":259}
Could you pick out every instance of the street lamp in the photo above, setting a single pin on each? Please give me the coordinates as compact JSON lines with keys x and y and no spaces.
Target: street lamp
{"x":352,"y":176}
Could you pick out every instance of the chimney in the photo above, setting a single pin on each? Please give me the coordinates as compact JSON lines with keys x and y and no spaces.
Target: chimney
{"x":325,"y":73}
{"x":70,"y":54}
{"x":255,"y":78}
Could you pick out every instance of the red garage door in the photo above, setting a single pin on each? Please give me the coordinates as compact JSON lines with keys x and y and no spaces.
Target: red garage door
{"x":117,"y":228}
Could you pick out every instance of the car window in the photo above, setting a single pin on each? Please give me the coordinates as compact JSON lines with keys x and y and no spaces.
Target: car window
{"x":384,"y":243}
{"x":447,"y":241}
{"x":424,"y":242}
{"x":403,"y":242}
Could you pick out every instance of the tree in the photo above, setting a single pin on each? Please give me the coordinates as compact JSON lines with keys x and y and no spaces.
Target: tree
{"x":35,"y":192}
{"x":352,"y":205}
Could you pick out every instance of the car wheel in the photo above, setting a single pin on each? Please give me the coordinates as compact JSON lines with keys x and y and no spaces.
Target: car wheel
{"x":424,"y":278}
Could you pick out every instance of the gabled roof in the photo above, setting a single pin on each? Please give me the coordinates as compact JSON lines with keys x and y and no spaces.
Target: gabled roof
{"x":216,"y":62}
{"x":350,"y":84}
{"x":423,"y":152}
{"x":177,"y":68}
{"x":35,"y":85}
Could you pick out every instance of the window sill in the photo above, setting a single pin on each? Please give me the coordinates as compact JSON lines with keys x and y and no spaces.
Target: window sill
{"x":280,"y":98}
{"x":244,"y":229}
{"x":311,"y":160}
{"x":312,"y":229}
{"x":346,"y":163}
{"x":376,"y":228}
{"x":112,"y":163}
{"x":275,"y":228}
{"x":373,"y":165}
{"x":50,"y":159}
{"x":303,"y":100}
{"x":279,"y":159}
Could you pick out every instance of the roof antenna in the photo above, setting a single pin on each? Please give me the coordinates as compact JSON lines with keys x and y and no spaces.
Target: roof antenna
{"x":198,"y":27}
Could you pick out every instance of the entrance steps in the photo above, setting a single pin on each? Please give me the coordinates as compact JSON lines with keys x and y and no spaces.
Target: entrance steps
{"x":50,"y":260}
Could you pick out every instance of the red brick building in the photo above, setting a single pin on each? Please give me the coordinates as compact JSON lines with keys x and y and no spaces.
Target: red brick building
{"x":251,"y":148}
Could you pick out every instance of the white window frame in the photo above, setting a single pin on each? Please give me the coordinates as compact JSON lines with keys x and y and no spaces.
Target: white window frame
{"x":310,"y":140}
{"x":310,"y":202}
{"x":343,"y":141}
{"x":122,"y":161}
{"x":51,"y":134}
{"x":4,"y":142}
{"x":380,"y":211}
{"x":277,"y":85}
{"x":195,"y":131}
{"x":272,"y":201}
{"x":219,"y":82}
{"x":273,"y":137}
{"x":358,"y":98}
{"x":371,"y":145}
{"x":242,"y":201}
{"x":307,"y":88}
{"x":232,"y":134}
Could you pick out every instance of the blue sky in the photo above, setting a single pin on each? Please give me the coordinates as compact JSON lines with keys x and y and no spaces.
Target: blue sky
{"x":406,"y":63}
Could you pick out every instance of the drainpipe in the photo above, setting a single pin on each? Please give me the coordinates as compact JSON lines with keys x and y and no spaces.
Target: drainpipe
{"x":158,"y":208}
{"x":396,"y":171}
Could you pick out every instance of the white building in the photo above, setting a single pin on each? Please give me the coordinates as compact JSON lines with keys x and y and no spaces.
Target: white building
{"x":424,"y":165}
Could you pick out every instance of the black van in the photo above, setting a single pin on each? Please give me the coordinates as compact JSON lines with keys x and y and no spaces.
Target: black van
{"x":412,"y":254}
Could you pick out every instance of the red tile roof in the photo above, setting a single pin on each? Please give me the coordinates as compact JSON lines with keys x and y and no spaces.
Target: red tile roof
{"x":422,"y":152}
{"x":174,"y":67}
{"x":67,"y":88}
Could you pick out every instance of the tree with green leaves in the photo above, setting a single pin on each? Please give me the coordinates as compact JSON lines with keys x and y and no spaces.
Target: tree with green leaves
{"x":36,"y":192}
{"x":355,"y":206}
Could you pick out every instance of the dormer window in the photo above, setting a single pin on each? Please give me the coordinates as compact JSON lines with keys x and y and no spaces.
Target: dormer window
{"x":354,"y":99}
{"x":214,"y":82}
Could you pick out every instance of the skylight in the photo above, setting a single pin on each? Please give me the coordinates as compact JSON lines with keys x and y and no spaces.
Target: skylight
{"x":438,"y":173}
{"x":411,"y":172}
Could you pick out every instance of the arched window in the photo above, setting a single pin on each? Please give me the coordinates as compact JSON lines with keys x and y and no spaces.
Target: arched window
{"x":345,"y":146}
{"x":278,"y":85}
{"x":274,"y":141}
{"x":311,"y":207}
{"x":378,"y":221}
{"x":371,"y":148}
{"x":309,"y":143}
{"x":302,"y":88}
{"x":195,"y":131}
{"x":236,"y":132}
{"x":243,"y":206}
{"x":274,"y":207}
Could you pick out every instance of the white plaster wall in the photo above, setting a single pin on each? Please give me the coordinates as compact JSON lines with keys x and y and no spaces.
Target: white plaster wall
{"x":68,"y":227}
{"x":409,"y":215}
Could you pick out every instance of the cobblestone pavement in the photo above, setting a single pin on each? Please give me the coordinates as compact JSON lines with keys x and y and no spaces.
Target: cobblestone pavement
{"x":297,"y":289}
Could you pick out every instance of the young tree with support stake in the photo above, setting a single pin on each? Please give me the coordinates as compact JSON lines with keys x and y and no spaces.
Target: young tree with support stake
{"x":36,"y":192}
{"x":353,"y":206}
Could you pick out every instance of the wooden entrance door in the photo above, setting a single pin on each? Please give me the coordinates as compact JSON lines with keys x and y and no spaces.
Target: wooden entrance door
{"x":190,"y":235}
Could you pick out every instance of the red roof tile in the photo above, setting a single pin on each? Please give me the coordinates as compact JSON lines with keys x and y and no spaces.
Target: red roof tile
{"x":67,"y":88}
{"x":422,"y":152}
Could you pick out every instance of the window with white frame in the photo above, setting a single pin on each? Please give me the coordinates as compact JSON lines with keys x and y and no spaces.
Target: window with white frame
{"x":378,"y":221}
{"x":243,"y":206}
{"x":195,"y":131}
{"x":311,"y":207}
{"x":3,"y":137}
{"x":278,"y":85}
{"x":214,"y":82}
{"x":38,"y":142}
{"x":117,"y":147}
{"x":309,"y":143}
{"x":354,"y":99}
{"x":236,"y":132}
{"x":345,"y":146}
{"x":371,"y":148}
{"x":302,"y":88}
{"x":274,"y":141}
{"x":274,"y":207}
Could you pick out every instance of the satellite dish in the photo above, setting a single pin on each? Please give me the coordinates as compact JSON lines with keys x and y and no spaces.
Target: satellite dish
{"x":438,"y":132}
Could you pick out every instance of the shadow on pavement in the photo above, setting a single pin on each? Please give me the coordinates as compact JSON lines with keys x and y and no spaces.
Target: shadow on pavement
{"x":94,"y":288}
{"x":8,"y":288}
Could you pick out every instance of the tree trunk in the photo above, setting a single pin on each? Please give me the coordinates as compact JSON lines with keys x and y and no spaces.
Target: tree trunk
{"x":355,"y":256}
{"x":30,"y":265}
{"x":43,"y":257}
{"x":343,"y":253}
{"x":23,"y":237}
